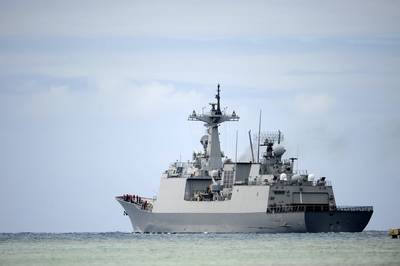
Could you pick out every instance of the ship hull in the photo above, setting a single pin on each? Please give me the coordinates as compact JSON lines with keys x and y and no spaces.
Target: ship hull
{"x":257,"y":222}
{"x":337,"y":221}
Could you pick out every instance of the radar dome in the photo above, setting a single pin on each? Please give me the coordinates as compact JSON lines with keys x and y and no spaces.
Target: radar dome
{"x":214,"y":173}
{"x":204,"y":141}
{"x":279,"y":150}
{"x":311,"y":177}
{"x":296,"y":177}
{"x":283,"y":177}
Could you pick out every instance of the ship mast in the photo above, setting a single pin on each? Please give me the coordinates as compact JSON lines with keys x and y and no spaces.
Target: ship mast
{"x":212,"y":120}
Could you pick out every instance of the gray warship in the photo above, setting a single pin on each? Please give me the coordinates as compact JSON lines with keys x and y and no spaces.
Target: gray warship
{"x":265,"y":194}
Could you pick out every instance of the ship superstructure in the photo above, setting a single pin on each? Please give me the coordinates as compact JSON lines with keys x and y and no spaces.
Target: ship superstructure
{"x":212,"y":194}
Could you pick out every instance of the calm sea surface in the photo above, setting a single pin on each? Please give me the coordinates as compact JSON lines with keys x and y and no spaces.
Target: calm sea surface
{"x":367,"y":248}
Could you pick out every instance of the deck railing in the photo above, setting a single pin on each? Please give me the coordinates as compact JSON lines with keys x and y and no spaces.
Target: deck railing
{"x":144,"y":203}
{"x":355,"y":208}
{"x":317,"y":208}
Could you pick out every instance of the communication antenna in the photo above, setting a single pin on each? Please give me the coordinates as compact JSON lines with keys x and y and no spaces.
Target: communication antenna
{"x":297,"y":155}
{"x":234,"y":177}
{"x":225,"y":136}
{"x":236,"y":145}
{"x":212,"y":120}
{"x":218,"y":100}
{"x":279,"y":137}
{"x":292,"y":160}
{"x":251,"y":147}
{"x":258,"y":139}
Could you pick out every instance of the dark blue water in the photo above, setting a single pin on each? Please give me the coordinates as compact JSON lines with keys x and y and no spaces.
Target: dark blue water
{"x":366,"y":248}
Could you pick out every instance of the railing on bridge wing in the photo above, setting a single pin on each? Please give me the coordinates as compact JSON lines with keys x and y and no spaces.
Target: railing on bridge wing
{"x":317,"y":208}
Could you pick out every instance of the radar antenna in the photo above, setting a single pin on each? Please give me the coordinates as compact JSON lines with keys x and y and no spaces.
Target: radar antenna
{"x":218,"y":111}
{"x":271,"y":137}
{"x":212,"y":121}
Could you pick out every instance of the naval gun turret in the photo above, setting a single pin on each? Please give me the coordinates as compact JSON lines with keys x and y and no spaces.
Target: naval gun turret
{"x":211,"y":144}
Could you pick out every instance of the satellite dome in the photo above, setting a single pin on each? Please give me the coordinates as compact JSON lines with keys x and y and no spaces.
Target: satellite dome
{"x":283,"y":177}
{"x":214,"y":173}
{"x":279,"y":150}
{"x":296,"y":177}
{"x":204,"y":141}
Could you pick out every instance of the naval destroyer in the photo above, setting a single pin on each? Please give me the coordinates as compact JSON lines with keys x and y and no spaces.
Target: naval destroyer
{"x":266,"y":194}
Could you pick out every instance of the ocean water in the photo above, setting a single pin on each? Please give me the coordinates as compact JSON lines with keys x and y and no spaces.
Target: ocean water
{"x":366,"y":248}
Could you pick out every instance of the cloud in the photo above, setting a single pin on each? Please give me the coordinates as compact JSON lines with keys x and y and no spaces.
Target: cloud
{"x":110,"y":98}
{"x":199,"y":19}
{"x":127,"y":98}
{"x":317,"y":104}
{"x":78,"y":79}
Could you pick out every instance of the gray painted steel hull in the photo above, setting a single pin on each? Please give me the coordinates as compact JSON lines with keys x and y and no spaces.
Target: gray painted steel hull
{"x":337,"y":221}
{"x":258,"y":222}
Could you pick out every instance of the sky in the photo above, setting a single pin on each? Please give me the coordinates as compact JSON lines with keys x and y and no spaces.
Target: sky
{"x":95,"y":95}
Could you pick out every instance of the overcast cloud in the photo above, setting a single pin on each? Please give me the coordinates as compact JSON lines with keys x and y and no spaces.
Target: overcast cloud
{"x":94,"y":98}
